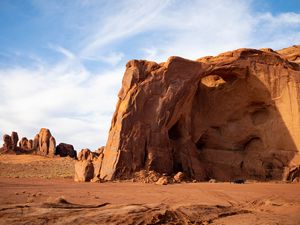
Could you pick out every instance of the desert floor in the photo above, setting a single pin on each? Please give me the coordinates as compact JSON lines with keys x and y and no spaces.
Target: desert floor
{"x":52,"y":199}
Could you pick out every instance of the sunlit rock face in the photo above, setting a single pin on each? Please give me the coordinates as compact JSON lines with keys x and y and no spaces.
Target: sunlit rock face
{"x":226,"y":117}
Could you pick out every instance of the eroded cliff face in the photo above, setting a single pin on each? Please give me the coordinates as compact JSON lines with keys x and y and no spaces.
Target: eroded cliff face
{"x":226,"y":117}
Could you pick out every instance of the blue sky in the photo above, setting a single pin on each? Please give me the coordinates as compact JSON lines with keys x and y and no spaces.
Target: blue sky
{"x":62,"y":62}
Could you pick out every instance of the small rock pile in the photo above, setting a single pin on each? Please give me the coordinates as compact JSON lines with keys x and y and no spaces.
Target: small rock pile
{"x":154,"y":177}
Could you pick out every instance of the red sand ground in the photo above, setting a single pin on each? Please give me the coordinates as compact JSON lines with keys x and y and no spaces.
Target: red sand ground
{"x":36,"y":200}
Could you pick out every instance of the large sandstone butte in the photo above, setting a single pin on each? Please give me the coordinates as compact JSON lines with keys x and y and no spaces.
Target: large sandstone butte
{"x":226,"y":117}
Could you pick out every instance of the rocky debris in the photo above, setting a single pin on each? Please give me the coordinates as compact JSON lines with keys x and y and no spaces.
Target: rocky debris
{"x":239,"y":181}
{"x":179,"y":177}
{"x":64,"y":150}
{"x":146,"y":176}
{"x":162,"y":181}
{"x":88,"y":166}
{"x":212,"y":181}
{"x":213,"y":117}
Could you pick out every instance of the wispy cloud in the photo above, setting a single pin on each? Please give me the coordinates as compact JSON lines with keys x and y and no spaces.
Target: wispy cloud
{"x":67,"y":53}
{"x":131,"y":17}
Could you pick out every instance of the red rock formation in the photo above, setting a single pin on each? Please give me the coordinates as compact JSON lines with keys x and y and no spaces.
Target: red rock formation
{"x":64,"y":150}
{"x":14,"y":138}
{"x":7,"y":143}
{"x":226,"y":117}
{"x":23,"y":143}
{"x":88,"y":166}
{"x":10,"y":144}
{"x":43,"y":144}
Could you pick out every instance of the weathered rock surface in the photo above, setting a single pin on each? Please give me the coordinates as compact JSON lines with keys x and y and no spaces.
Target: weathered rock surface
{"x":84,"y":171}
{"x":226,"y":117}
{"x":88,"y":166}
{"x":10,"y":144}
{"x":64,"y":150}
{"x":179,"y":177}
{"x":42,"y":144}
{"x":46,"y":143}
{"x":162,"y":181}
{"x":7,"y":142}
{"x":14,"y":139}
{"x":23,"y":143}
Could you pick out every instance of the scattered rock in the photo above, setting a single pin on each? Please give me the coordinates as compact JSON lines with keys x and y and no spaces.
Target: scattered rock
{"x":96,"y":180}
{"x":162,"y":181}
{"x":212,"y":181}
{"x":296,"y":180}
{"x":146,"y":176}
{"x":179,"y":177}
{"x":239,"y":181}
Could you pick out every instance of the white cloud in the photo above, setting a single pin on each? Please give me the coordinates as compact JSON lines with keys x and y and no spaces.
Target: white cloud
{"x":69,"y":108}
{"x":113,"y":58}
{"x":131,"y":17}
{"x":67,"y":53}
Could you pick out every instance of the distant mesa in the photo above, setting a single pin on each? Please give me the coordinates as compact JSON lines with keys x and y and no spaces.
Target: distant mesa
{"x":236,"y":115}
{"x":42,"y":144}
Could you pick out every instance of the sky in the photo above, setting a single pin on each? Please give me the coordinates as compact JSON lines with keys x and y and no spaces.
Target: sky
{"x":62,"y":62}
